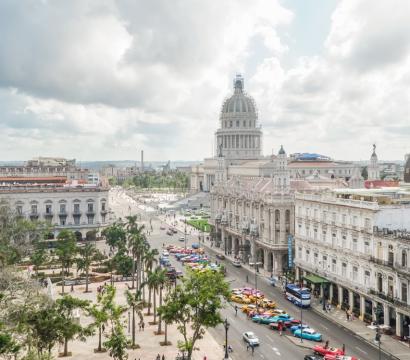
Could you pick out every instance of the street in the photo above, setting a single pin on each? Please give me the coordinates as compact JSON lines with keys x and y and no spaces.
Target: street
{"x":272,"y":344}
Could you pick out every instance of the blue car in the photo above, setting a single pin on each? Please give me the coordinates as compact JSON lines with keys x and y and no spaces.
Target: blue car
{"x":308,"y":334}
{"x":296,"y":327}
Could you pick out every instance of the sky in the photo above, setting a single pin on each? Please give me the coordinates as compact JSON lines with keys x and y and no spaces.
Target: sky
{"x":103,"y":79}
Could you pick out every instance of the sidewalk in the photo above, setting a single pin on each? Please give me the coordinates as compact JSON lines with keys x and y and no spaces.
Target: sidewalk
{"x":389,"y":345}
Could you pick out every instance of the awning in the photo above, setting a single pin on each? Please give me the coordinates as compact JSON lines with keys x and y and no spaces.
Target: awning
{"x":315,"y":279}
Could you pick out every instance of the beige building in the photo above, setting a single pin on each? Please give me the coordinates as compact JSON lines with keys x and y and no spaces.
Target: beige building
{"x":353,"y":245}
{"x":82,"y":209}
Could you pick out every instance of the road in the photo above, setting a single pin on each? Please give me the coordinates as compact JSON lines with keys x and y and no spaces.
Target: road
{"x":272,"y":346}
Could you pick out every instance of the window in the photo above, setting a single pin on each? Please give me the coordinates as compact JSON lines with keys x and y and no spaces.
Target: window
{"x":90,"y":207}
{"x":237,"y":123}
{"x":334,"y":265}
{"x":367,"y":278}
{"x":77,"y":220}
{"x":391,"y":255}
{"x":62,"y":221}
{"x":90,"y":220}
{"x":315,"y":234}
{"x":324,"y":216}
{"x":344,"y":241}
{"x":354,"y":223}
{"x":355,"y":273}
{"x":300,"y":253}
{"x":103,"y":206}
{"x":324,"y":262}
{"x":315,"y":257}
{"x":390,"y":286}
{"x":244,"y":123}
{"x":367,"y":224}
{"x":315,"y":214}
{"x":34,"y":209}
{"x":354,"y":245}
{"x":230,"y":123}
{"x":62,"y":208}
{"x":404,"y":258}
{"x":103,"y":218}
{"x":19,"y":210}
{"x":307,"y":255}
{"x":324,"y":235}
{"x":343,"y":219}
{"x":344,"y":269}
{"x":404,"y":292}
{"x":48,"y":209}
{"x":366,"y":247}
{"x":76,"y":208}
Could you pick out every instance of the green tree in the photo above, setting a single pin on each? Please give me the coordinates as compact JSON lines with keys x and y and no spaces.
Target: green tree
{"x":117,"y":343}
{"x":115,"y":236}
{"x":161,"y":281}
{"x":136,"y":305}
{"x":195,"y":304}
{"x":149,"y":261}
{"x":8,"y":345}
{"x":122,"y":264}
{"x":87,"y":254}
{"x":99,"y":312}
{"x":365,"y":174}
{"x":136,"y":245}
{"x":70,"y":328}
{"x":155,"y":280}
{"x":66,"y":250}
{"x":39,"y":257}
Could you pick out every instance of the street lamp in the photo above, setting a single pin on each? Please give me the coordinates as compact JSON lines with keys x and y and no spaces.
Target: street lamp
{"x":185,"y":233}
{"x":226,"y":325}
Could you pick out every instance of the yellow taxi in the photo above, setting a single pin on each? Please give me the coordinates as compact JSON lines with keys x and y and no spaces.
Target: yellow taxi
{"x":241,"y":299}
{"x":266,"y":303}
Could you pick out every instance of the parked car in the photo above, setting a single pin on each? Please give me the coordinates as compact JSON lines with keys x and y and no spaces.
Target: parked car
{"x":339,"y":357}
{"x":175,"y":231}
{"x":236,"y":263}
{"x":169,"y":232}
{"x":308,"y":334}
{"x":162,"y":227}
{"x":293,"y":328}
{"x":250,"y":338}
{"x":312,"y":357}
{"x":321,"y":350}
{"x":181,"y":238}
{"x":220,"y":256}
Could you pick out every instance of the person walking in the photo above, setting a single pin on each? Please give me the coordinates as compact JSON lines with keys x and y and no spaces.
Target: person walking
{"x":347,"y":315}
{"x":253,"y":349}
{"x":158,"y":357}
{"x":236,"y":310}
{"x":143,"y":326}
{"x":280,"y":327}
{"x":163,"y":357}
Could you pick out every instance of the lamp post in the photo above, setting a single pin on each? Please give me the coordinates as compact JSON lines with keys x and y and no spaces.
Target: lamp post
{"x":185,"y":233}
{"x":226,"y":325}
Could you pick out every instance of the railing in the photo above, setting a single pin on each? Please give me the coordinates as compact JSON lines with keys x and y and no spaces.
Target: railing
{"x":381,"y":261}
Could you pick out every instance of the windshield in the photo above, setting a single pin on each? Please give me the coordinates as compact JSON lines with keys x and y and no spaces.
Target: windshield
{"x":251,"y":336}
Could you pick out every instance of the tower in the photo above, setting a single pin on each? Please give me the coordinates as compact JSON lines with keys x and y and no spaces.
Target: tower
{"x":281,"y":176}
{"x":239,"y":136}
{"x":373,"y":169}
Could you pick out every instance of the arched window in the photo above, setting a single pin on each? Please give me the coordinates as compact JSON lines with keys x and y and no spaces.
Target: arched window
{"x":404,"y":258}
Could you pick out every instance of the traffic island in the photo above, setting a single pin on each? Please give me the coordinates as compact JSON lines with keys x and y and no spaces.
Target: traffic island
{"x":306,"y":344}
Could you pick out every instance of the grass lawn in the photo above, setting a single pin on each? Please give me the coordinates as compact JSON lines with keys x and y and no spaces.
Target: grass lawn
{"x":200,"y":224}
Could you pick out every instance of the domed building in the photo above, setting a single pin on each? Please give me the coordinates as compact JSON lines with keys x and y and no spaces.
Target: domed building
{"x":239,"y":135}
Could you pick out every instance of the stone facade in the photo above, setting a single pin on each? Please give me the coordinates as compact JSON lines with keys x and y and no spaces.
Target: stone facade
{"x":80,"y":209}
{"x":355,"y":241}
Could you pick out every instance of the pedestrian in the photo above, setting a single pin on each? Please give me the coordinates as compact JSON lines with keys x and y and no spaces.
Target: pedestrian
{"x":158,"y":357}
{"x":72,"y":287}
{"x":163,"y":357}
{"x":347,"y":315}
{"x":139,"y":326}
{"x":247,"y":346}
{"x":253,"y":349}
{"x":143,"y":326}
{"x":205,"y":358}
{"x":280,"y":328}
{"x":236,"y":310}
{"x":327,"y":344}
{"x":247,"y":278}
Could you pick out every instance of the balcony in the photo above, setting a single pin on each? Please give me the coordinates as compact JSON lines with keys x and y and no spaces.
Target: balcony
{"x":401,"y":269}
{"x":90,"y":212}
{"x":381,"y":261}
{"x":48,"y":214}
{"x":77,"y":213}
{"x":62,"y":213}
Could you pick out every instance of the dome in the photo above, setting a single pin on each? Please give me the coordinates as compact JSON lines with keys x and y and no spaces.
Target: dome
{"x":239,"y":102}
{"x":281,"y":150}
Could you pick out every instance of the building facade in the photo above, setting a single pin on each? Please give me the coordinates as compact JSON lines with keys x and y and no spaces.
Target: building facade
{"x":84,"y":210}
{"x":356,"y":246}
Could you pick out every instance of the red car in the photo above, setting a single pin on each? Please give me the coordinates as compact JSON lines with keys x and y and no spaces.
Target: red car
{"x":339,"y":357}
{"x":321,"y":350}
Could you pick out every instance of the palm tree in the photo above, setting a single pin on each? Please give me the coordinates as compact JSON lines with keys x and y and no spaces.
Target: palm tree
{"x":161,"y":281}
{"x":136,"y":240}
{"x":100,"y":314}
{"x":168,"y":286}
{"x":136,"y":305}
{"x":155,"y":279}
{"x":149,"y":261}
{"x":83,"y":264}
{"x":66,"y":250}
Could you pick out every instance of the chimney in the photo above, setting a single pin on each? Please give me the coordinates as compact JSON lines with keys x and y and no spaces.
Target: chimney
{"x":142,"y":160}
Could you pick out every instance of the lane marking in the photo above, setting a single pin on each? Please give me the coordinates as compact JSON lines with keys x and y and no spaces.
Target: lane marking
{"x":362,"y":351}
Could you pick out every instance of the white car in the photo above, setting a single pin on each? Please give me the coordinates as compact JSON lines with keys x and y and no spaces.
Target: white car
{"x":165,"y":253}
{"x":181,"y":238}
{"x":236,"y":263}
{"x":250,"y":338}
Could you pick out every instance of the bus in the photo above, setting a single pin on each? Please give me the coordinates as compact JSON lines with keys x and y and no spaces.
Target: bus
{"x":299,"y":296}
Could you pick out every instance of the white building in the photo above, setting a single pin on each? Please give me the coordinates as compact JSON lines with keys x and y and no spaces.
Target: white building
{"x":373,"y":170}
{"x":353,"y":245}
{"x":82,"y":209}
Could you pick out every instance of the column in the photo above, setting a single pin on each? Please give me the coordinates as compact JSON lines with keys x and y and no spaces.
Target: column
{"x":399,"y":324}
{"x":386,"y":314}
{"x":282,"y":227}
{"x":374,"y":309}
{"x":297,"y":273}
{"x":223,"y":240}
{"x":362,"y":307}
{"x":340,"y":296}
{"x":351,"y":300}
{"x":265,"y":260}
{"x":330,"y":293}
